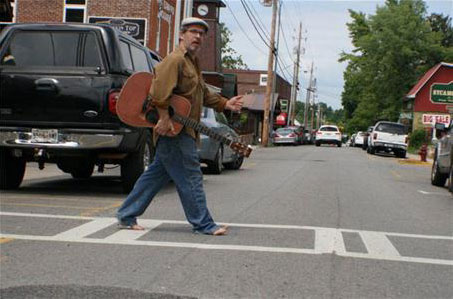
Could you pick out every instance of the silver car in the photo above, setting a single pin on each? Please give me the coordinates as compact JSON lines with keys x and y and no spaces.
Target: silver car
{"x":286,"y":135}
{"x":443,"y":157}
{"x":216,"y":154}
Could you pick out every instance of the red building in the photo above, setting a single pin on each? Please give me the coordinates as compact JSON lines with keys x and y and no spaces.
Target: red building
{"x":431,"y":99}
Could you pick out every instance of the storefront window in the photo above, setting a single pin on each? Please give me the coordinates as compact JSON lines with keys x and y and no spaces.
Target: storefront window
{"x":74,"y":11}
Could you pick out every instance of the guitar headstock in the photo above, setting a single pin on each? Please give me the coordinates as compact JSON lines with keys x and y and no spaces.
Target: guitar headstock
{"x":241,"y":149}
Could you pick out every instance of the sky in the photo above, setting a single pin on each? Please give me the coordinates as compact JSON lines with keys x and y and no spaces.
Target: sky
{"x":324,"y":37}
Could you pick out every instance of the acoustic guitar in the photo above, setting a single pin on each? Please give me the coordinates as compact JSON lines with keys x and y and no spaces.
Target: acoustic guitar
{"x":134,"y":108}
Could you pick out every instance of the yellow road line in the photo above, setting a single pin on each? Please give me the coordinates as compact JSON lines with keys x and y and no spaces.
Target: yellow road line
{"x":43,"y":205}
{"x":93,"y":211}
{"x":414,"y":162}
{"x":5,"y":240}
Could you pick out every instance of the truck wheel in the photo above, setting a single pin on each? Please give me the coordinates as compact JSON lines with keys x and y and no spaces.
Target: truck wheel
{"x":339,"y":144}
{"x":216,"y":166}
{"x":401,"y":154}
{"x":12,"y":170}
{"x":135,"y":163}
{"x":372,"y":150}
{"x":318,"y":143}
{"x":437,"y":178}
{"x":236,"y":164}
{"x":82,"y":170}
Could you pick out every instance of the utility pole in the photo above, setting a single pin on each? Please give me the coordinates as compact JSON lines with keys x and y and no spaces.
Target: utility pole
{"x":274,"y":78}
{"x":292,"y":105}
{"x":265,"y":132}
{"x":312,"y":89}
{"x":307,"y":99}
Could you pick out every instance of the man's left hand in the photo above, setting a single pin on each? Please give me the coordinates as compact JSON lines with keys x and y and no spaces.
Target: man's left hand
{"x":235,"y":103}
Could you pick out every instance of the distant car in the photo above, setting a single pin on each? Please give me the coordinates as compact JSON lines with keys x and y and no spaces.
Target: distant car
{"x":388,"y":137}
{"x":300,"y":132}
{"x":215,"y":154}
{"x":328,"y":134}
{"x":443,"y":157}
{"x":358,"y":140}
{"x":287,"y":135}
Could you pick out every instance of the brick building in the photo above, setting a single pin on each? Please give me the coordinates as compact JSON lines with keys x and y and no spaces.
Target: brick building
{"x":149,"y":21}
{"x":431,"y":99}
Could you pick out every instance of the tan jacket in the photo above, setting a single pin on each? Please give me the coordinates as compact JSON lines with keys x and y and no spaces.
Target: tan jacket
{"x":180,"y":74}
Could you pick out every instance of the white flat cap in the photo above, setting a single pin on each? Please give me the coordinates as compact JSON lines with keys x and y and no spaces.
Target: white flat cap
{"x":194,"y":21}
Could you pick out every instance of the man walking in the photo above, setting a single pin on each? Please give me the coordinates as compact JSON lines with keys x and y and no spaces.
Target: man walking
{"x":176,"y":155}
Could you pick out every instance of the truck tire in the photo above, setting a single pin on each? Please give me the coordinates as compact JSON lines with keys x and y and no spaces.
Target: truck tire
{"x":83,"y":170}
{"x":437,"y":178}
{"x":135,"y":163}
{"x":216,"y":166}
{"x":339,"y":144}
{"x":450,"y":179}
{"x":400,"y":154}
{"x":12,"y":170}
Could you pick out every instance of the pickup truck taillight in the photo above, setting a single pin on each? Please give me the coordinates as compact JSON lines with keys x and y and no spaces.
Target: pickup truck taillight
{"x":374,"y":136}
{"x":113,"y":98}
{"x":292,"y":135}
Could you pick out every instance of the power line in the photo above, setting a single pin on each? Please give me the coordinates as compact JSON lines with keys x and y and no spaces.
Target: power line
{"x":253,"y":23}
{"x":243,"y":31}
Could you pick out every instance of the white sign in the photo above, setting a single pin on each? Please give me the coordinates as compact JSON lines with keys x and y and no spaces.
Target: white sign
{"x":431,"y":119}
{"x":263,"y":79}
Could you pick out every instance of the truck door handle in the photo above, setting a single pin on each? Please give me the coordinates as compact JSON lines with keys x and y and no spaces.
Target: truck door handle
{"x":46,"y":84}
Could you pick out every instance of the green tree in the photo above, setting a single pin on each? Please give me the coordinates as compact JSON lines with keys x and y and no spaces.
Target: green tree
{"x":230,"y":58}
{"x":392,"y":49}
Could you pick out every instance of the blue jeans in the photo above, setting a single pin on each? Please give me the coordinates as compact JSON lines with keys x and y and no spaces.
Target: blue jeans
{"x":176,"y":159}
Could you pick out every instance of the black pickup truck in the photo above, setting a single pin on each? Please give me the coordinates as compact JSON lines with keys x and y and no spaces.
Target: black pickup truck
{"x":59,"y":84}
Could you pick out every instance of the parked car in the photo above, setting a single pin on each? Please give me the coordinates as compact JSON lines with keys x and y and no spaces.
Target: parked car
{"x":358,"y":139}
{"x":287,"y":135}
{"x":388,"y":137}
{"x":328,"y":134}
{"x":300,"y":133}
{"x":366,"y":138}
{"x":443,"y":157}
{"x":215,"y":154}
{"x":59,"y":87}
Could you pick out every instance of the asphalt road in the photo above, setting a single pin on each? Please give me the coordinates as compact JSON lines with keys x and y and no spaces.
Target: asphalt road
{"x":304,"y":222}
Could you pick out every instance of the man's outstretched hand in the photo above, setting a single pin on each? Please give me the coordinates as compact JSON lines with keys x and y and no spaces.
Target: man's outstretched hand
{"x":235,"y":103}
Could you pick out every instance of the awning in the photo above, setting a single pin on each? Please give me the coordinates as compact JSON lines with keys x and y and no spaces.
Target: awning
{"x":255,"y":101}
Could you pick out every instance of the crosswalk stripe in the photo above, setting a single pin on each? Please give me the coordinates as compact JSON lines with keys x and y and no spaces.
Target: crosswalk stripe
{"x":86,"y":229}
{"x":378,"y":243}
{"x":127,"y":234}
{"x":328,"y":240}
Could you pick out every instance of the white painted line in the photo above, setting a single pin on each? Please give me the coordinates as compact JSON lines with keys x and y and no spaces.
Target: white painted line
{"x":378,"y":244}
{"x":128,"y":234}
{"x":329,"y":240}
{"x":432,"y":193}
{"x":232,"y":247}
{"x":271,"y":226}
{"x":86,"y":229}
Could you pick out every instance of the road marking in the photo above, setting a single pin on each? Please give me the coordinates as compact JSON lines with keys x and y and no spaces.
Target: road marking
{"x":42,"y":205}
{"x":431,"y":193}
{"x":127,"y":234}
{"x":5,"y":240}
{"x":327,"y":240}
{"x":378,"y":244}
{"x":86,"y":229}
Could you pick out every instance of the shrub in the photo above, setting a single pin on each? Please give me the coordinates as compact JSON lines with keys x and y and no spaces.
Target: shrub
{"x":417,"y":138}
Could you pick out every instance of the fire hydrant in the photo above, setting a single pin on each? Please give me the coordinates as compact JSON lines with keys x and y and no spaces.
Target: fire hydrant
{"x":423,"y":152}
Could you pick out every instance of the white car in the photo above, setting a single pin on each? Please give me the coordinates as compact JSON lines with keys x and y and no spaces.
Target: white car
{"x":389,"y":137}
{"x":328,"y":134}
{"x":358,"y":139}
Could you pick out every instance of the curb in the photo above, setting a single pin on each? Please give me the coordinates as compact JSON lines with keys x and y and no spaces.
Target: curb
{"x":414,"y":162}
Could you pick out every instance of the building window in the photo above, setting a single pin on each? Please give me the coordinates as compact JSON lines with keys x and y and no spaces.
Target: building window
{"x":74,"y":11}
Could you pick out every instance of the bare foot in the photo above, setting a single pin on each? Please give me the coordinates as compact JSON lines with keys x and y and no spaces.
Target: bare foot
{"x":221,"y":231}
{"x":131,"y":227}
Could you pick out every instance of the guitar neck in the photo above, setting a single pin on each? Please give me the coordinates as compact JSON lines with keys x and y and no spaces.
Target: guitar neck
{"x":201,"y":128}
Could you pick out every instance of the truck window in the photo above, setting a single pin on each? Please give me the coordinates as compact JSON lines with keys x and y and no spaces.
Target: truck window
{"x":391,"y":128}
{"x":49,"y":49}
{"x":91,"y":55}
{"x":126,"y":55}
{"x":140,"y":60}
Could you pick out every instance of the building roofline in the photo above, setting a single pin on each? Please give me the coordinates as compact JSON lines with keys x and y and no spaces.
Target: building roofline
{"x":425,"y":78}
